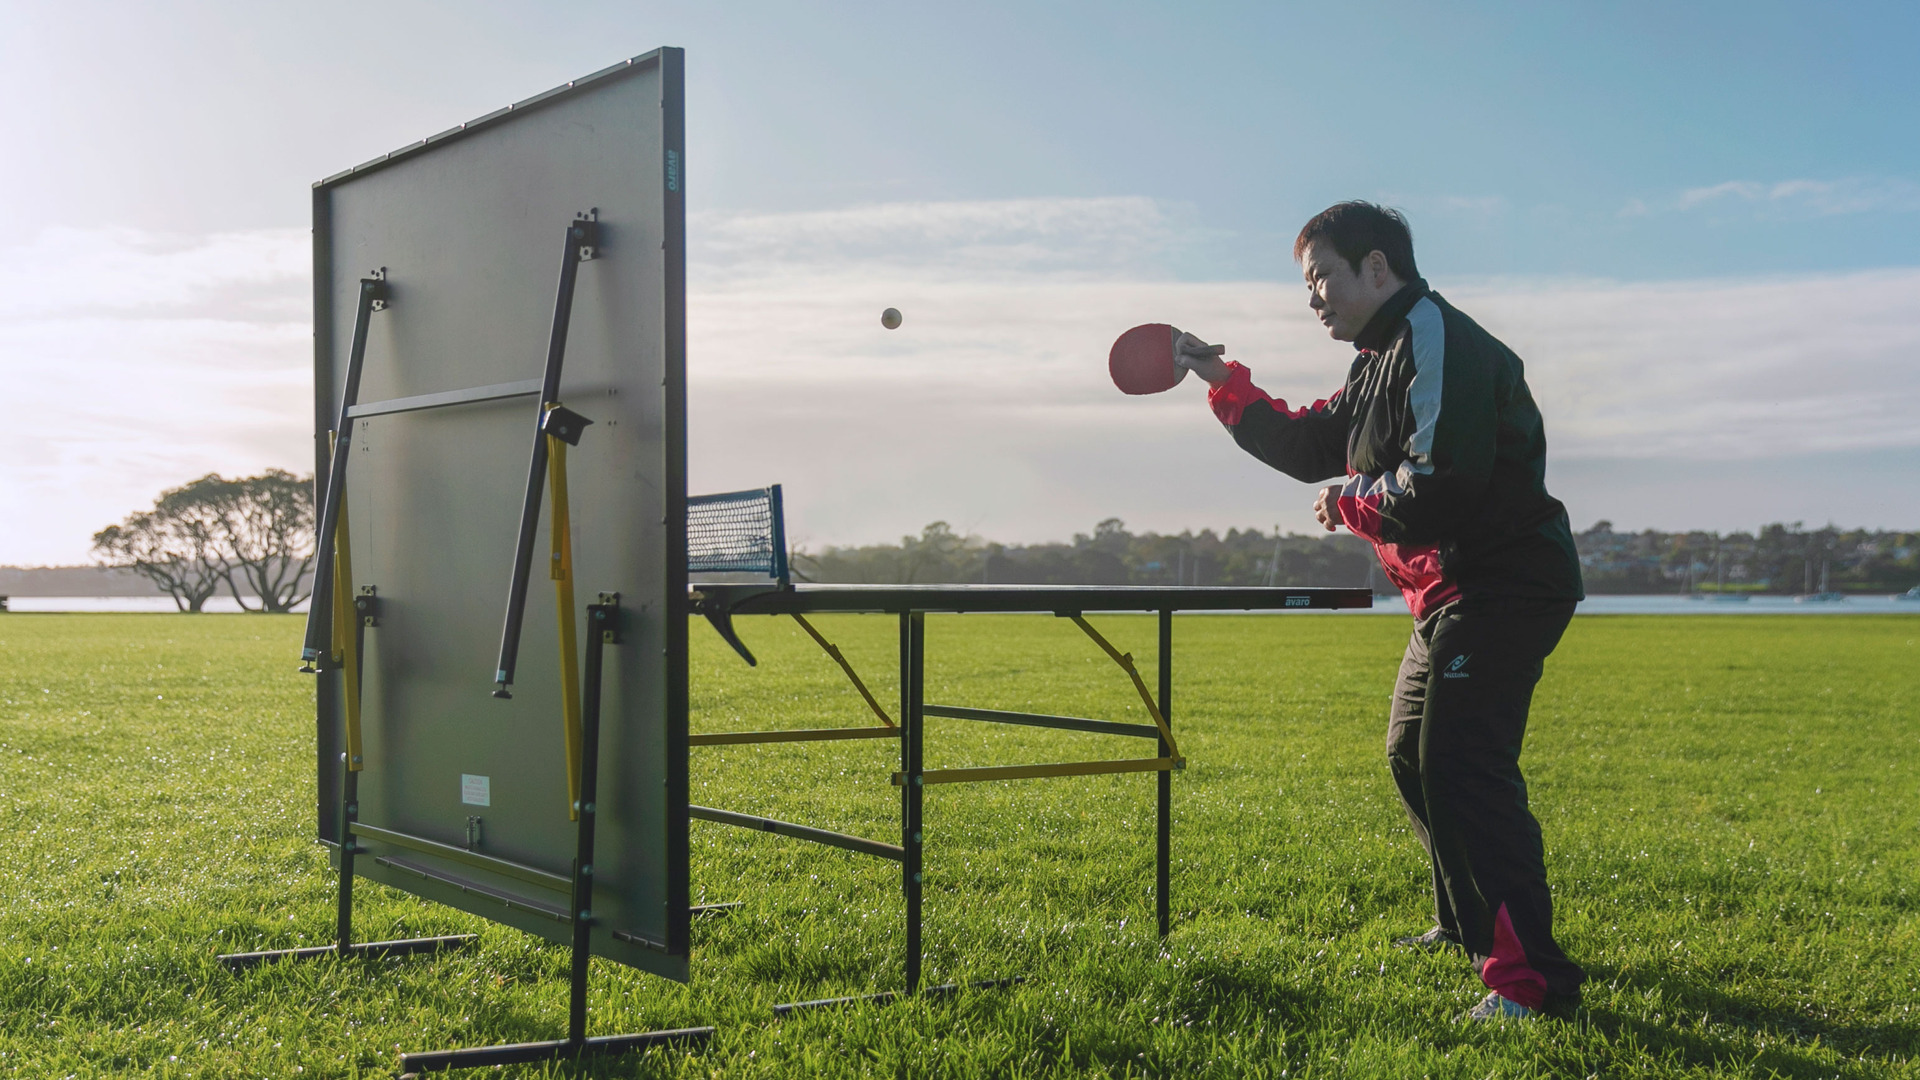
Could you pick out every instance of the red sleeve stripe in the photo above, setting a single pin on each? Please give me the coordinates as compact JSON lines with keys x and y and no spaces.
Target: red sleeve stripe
{"x":1230,"y":399}
{"x":1360,"y":501}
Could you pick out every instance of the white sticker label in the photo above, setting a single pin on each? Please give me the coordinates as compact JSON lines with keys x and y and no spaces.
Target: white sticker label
{"x":476,"y":790}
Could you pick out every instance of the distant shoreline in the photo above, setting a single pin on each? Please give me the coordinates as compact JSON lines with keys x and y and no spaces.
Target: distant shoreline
{"x":96,"y":582}
{"x":71,"y":582}
{"x":1623,"y":604}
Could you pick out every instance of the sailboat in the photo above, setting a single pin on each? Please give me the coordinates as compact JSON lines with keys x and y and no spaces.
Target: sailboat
{"x":1825,"y":595}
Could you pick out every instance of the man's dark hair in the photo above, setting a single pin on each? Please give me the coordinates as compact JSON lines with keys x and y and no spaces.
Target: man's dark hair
{"x":1357,"y":229}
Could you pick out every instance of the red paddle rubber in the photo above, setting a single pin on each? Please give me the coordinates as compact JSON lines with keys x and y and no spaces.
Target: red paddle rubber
{"x":1142,"y":359}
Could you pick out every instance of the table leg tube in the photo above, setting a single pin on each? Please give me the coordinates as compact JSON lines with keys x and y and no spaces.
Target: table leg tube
{"x":1163,"y":853}
{"x":912,"y":768}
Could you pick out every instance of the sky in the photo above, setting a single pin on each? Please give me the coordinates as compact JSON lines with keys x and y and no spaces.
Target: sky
{"x":1699,"y":225}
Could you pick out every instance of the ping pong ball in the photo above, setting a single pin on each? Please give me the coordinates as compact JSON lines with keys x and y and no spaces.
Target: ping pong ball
{"x":890,"y":318}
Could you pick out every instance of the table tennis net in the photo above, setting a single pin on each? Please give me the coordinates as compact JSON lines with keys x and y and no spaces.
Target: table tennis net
{"x":737,"y":532}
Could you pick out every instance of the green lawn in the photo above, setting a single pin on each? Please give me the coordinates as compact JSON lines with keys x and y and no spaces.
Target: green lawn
{"x":1730,"y":806}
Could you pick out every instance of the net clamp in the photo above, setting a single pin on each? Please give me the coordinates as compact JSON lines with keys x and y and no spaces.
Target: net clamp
{"x":722,"y":620}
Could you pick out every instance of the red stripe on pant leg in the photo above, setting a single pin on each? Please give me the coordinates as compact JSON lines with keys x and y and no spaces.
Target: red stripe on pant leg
{"x":1507,"y":972}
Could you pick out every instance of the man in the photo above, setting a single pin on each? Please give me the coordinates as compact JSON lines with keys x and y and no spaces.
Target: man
{"x":1445,"y":461}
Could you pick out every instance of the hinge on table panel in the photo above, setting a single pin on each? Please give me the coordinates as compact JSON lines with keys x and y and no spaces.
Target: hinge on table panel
{"x":367,"y":606}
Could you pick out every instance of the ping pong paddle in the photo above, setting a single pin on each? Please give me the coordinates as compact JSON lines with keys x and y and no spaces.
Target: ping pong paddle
{"x":1142,"y":359}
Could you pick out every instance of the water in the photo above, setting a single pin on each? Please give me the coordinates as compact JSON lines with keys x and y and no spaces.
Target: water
{"x":217,"y":604}
{"x":1667,"y":604}
{"x":1672,"y":604}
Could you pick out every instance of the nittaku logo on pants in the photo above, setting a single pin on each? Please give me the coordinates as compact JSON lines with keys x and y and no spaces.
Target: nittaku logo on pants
{"x":1454,"y":670}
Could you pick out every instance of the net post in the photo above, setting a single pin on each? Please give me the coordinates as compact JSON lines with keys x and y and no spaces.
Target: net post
{"x":777,"y":512}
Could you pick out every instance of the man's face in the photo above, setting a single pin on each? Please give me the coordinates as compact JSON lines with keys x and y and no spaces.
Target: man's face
{"x":1342,"y":297}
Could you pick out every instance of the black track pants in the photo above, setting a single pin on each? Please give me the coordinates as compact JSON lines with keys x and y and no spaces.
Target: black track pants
{"x":1453,"y":743}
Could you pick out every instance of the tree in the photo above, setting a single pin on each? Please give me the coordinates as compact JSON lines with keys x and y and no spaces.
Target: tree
{"x":173,"y":545}
{"x":266,"y":536}
{"x":254,"y":534}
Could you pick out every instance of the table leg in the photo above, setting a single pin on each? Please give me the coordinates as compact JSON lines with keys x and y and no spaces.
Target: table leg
{"x":912,"y":784}
{"x":1163,"y":853}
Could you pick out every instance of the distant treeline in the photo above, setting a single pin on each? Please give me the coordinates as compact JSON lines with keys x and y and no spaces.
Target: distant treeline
{"x":1777,"y":559}
{"x":1784,"y":559}
{"x":1110,"y":555}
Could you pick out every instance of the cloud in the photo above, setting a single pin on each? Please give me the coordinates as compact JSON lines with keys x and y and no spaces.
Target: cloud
{"x":134,"y":362}
{"x":1716,"y":370}
{"x":1088,"y":239}
{"x":991,"y":408}
{"x":1801,"y":198}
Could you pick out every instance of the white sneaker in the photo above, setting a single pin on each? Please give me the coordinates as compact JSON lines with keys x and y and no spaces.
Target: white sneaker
{"x":1495,"y":1007}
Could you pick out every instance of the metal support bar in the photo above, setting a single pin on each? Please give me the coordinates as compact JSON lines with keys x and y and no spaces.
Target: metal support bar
{"x":370,"y":949}
{"x":582,"y":238}
{"x":798,"y":832}
{"x":374,"y":294}
{"x":557,"y":911}
{"x":1163,"y":834}
{"x":733,"y":738}
{"x":853,"y":676}
{"x":1030,"y":772}
{"x":636,"y":937}
{"x":481,"y":1057}
{"x":347,"y":627}
{"x":343,"y":894}
{"x":351,"y":759}
{"x":530,"y":875}
{"x":1125,"y":660}
{"x":1063,"y":723}
{"x":472,"y":396}
{"x":913,"y":650}
{"x":603,"y":629}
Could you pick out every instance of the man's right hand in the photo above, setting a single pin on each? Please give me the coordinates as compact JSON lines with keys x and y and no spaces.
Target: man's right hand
{"x":1193,"y":354}
{"x":1326,"y":508}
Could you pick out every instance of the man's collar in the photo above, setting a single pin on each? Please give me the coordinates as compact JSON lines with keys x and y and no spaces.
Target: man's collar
{"x":1385,"y":324}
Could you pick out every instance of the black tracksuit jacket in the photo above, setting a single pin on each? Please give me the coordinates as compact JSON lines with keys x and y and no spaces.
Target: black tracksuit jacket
{"x":1444,"y":453}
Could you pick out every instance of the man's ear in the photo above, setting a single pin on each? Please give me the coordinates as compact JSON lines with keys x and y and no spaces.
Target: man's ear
{"x":1378,"y":271}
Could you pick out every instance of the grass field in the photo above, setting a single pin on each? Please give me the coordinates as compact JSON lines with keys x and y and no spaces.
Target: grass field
{"x":1730,"y":807}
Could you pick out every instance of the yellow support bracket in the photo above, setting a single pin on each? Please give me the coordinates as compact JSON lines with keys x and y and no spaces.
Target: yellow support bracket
{"x":561,"y":571}
{"x":854,"y":677}
{"x":1125,"y":660}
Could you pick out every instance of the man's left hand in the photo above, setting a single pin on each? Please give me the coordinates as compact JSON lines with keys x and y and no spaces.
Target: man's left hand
{"x":1326,"y":508}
